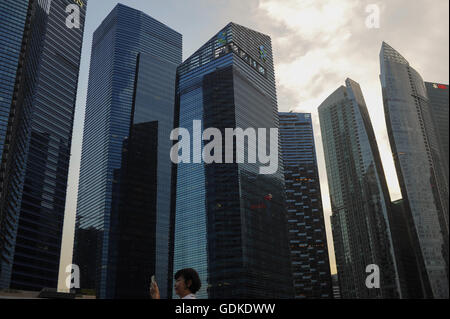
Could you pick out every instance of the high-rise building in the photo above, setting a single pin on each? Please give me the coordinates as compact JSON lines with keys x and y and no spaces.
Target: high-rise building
{"x":359,"y":196}
{"x":123,"y":223}
{"x":231,"y":221}
{"x":438,"y":95}
{"x":419,"y":164}
{"x":306,"y":225}
{"x":39,"y":63}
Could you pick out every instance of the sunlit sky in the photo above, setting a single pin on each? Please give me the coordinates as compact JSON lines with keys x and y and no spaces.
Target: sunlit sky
{"x":317,"y":44}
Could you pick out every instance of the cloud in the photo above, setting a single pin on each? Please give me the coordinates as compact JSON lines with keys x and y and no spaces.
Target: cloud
{"x":310,"y":18}
{"x":319,"y":43}
{"x":316,"y":51}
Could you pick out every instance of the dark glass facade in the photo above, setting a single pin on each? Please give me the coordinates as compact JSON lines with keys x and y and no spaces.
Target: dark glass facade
{"x":401,"y":227}
{"x":419,"y":165}
{"x":306,"y":225}
{"x":438,"y":94}
{"x":360,"y":202}
{"x":230,"y":222}
{"x":15,"y":18}
{"x":124,"y":200}
{"x":12,"y":28}
{"x":41,"y":57}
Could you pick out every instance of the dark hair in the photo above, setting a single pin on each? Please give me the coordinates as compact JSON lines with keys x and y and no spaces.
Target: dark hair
{"x":190,"y":274}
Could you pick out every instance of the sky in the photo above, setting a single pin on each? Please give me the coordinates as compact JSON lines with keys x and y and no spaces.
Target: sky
{"x":317,"y":44}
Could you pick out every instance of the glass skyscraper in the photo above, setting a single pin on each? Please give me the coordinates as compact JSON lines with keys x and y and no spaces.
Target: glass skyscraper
{"x":439,"y":105}
{"x":307,"y":234}
{"x":359,"y":196}
{"x":39,"y":65}
{"x":230,"y":222}
{"x":124,"y":215}
{"x":419,"y":164}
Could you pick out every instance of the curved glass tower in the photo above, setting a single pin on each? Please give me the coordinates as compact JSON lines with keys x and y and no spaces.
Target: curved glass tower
{"x":359,"y":195}
{"x":418,"y":162}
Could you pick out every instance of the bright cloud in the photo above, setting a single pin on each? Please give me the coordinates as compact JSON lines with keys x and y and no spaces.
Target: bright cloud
{"x":311,"y":18}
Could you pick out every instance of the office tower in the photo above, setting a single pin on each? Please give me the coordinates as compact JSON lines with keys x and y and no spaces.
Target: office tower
{"x":230,"y":220}
{"x":307,"y":235}
{"x":419,"y":166}
{"x":39,"y":59}
{"x":359,"y":195}
{"x":122,"y":231}
{"x":439,"y":104}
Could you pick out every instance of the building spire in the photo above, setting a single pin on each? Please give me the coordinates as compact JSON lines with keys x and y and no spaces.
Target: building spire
{"x":390,"y":54}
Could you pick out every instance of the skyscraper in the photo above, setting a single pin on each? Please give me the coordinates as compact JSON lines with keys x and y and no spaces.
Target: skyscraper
{"x":306,"y":225}
{"x":419,"y":164}
{"x":359,"y":195}
{"x":230,"y":220}
{"x":439,"y":105}
{"x":123,"y":233}
{"x":39,"y":59}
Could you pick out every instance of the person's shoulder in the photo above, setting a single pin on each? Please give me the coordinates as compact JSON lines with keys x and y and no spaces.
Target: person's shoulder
{"x":190,"y":296}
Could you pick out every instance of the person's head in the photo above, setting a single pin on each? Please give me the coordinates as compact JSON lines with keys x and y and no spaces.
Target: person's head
{"x":187,"y":281}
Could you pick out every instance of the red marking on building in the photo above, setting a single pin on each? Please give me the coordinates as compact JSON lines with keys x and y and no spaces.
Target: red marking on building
{"x":259,"y":206}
